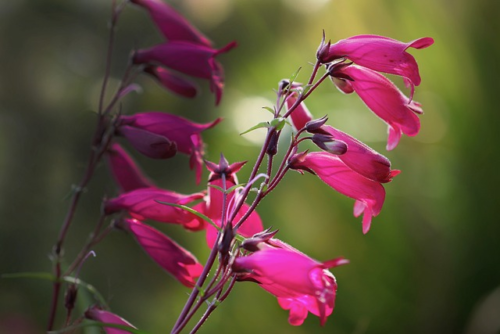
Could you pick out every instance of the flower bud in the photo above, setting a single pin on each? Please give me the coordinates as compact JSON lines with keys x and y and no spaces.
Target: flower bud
{"x":253,"y":244}
{"x":323,"y":50}
{"x":315,"y":125}
{"x":272,"y":147}
{"x":329,"y":144}
{"x":70,"y":297}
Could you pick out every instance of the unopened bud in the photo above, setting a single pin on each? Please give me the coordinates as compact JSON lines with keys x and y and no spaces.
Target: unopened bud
{"x":272,"y":147}
{"x":70,"y":297}
{"x":253,"y":244}
{"x":225,"y":244}
{"x":323,"y":50}
{"x":315,"y":125}
{"x":329,"y":144}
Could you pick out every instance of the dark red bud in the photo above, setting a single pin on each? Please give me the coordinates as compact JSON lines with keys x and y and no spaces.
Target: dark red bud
{"x":272,"y":147}
{"x":315,"y":125}
{"x":323,"y":50}
{"x":253,"y":244}
{"x":70,"y":297}
{"x":224,"y":246}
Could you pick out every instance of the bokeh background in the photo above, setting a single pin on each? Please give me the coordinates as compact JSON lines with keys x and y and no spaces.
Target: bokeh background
{"x":431,"y":262}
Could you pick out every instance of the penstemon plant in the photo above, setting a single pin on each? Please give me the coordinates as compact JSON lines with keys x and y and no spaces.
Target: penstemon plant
{"x":241,"y":247}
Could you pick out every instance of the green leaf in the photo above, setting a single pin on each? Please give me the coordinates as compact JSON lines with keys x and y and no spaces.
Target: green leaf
{"x":294,"y":76}
{"x":255,"y":127}
{"x":229,"y":190}
{"x":278,"y":123}
{"x":92,"y":323}
{"x":271,"y":110}
{"x":194,"y":212}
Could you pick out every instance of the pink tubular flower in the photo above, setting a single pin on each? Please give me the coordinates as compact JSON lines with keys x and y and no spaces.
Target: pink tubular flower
{"x":172,"y":25}
{"x":362,"y":159}
{"x":94,"y":313}
{"x":212,"y":207}
{"x":369,"y":195}
{"x":384,"y":99}
{"x":380,"y":53}
{"x":186,"y":135}
{"x":166,"y":253}
{"x":192,"y":59}
{"x":300,"y":283}
{"x":301,"y":115}
{"x":172,"y":81}
{"x":125,"y":171}
{"x":144,"y":204}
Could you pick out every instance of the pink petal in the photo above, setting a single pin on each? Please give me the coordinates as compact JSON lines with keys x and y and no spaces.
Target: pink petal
{"x":381,"y":54}
{"x":175,"y":128}
{"x":166,"y":253}
{"x":301,"y":115}
{"x":125,"y":171}
{"x":386,"y":101}
{"x":107,"y":317}
{"x":188,"y":58}
{"x":361,"y":158}
{"x":143,"y":204}
{"x":171,"y":24}
{"x":330,"y":169}
{"x":298,"y":311}
{"x":150,"y":144}
{"x":172,"y":81}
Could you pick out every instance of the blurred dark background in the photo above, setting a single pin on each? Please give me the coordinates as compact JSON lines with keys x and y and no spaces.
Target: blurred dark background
{"x":431,"y":262}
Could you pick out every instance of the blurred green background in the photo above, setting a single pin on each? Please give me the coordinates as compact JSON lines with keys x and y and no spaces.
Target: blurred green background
{"x":431,"y":262}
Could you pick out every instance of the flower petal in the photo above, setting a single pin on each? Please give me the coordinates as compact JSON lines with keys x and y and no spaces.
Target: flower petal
{"x":172,"y":25}
{"x":381,"y":54}
{"x":165,"y":252}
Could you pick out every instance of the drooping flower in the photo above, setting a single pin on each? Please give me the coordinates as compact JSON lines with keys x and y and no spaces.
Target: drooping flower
{"x":144,"y":204}
{"x":165,"y":252}
{"x":300,"y":283}
{"x":213,"y":205}
{"x":172,"y":25}
{"x":369,"y":195}
{"x":95,"y":313}
{"x":125,"y":171}
{"x":363,"y":159}
{"x":186,"y":135}
{"x":380,"y":54}
{"x":191,"y":59}
{"x":384,"y":99}
{"x":172,"y":81}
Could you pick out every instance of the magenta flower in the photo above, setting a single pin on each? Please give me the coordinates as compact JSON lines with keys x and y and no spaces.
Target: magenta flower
{"x":94,"y":313}
{"x":144,"y":204}
{"x":192,"y":59}
{"x":125,"y":171}
{"x":384,"y":99}
{"x":172,"y":81}
{"x":152,"y":126}
{"x":380,"y":53}
{"x":166,"y":253}
{"x":172,"y":25}
{"x":369,"y":195}
{"x":362,"y":159}
{"x":301,"y":284}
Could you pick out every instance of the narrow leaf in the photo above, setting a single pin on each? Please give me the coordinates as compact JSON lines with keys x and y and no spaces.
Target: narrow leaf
{"x":255,"y":127}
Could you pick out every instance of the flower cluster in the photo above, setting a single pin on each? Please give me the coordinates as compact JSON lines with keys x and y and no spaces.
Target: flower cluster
{"x":226,"y":209}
